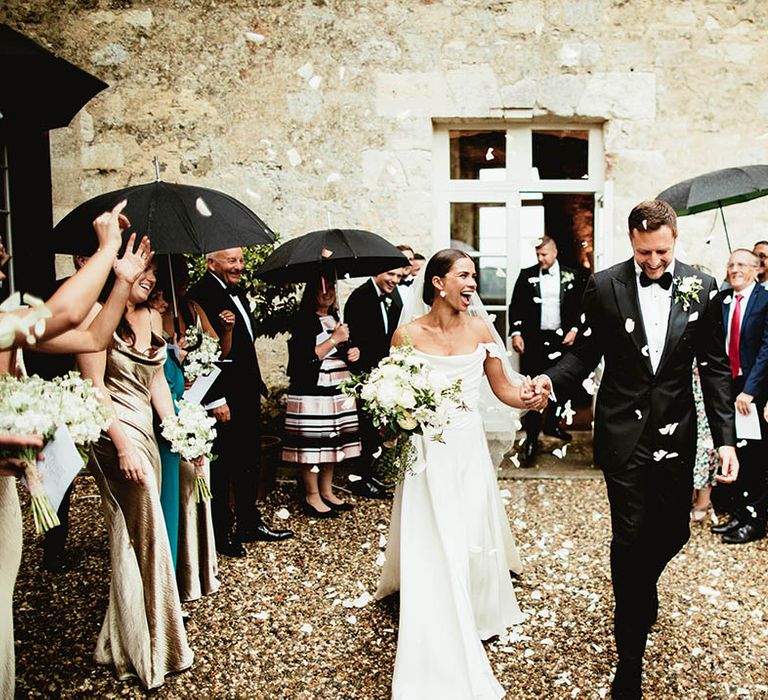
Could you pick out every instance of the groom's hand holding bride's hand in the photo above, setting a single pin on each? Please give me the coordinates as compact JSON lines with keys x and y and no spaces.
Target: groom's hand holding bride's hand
{"x":729,"y":464}
{"x":532,"y":399}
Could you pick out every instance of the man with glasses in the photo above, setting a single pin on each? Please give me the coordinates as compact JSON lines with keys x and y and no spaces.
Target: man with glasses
{"x":761,"y":250}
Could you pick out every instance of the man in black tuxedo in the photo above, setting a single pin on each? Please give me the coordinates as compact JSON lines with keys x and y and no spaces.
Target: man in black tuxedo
{"x":234,"y":400}
{"x":372,"y":312}
{"x":543,"y":320}
{"x":649,"y":319}
{"x":745,"y":316}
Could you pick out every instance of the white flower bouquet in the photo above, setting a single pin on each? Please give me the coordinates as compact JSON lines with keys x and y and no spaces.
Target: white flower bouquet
{"x":404,"y":396}
{"x":203,"y":351}
{"x":31,"y":405}
{"x":191,"y":435}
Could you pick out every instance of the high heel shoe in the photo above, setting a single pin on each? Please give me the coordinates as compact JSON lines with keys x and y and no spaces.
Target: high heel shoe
{"x":699,"y":514}
{"x":338,"y":507}
{"x":313,"y":512}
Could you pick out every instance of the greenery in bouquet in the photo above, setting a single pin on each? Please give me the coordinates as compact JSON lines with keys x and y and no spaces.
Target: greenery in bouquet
{"x":191,"y":435}
{"x":202,"y":351}
{"x":31,"y":405}
{"x":404,"y":396}
{"x":273,"y":305}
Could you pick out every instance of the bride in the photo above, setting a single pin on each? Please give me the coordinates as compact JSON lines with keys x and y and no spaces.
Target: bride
{"x":450,"y":548}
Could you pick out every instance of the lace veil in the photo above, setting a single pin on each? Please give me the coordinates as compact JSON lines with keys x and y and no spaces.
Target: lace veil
{"x":501,"y":422}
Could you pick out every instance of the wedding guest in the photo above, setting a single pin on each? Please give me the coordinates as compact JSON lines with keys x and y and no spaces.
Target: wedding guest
{"x":406,"y":250}
{"x":648,"y":330}
{"x":321,"y":426}
{"x":417,"y":264}
{"x":234,"y":402}
{"x":706,"y":461}
{"x":195,"y":561}
{"x":372,"y":312}
{"x":745,"y":317}
{"x":143,"y":632}
{"x":761,"y":250}
{"x":543,"y":320}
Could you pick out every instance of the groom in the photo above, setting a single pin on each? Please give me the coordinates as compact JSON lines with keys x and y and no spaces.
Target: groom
{"x":650,"y":317}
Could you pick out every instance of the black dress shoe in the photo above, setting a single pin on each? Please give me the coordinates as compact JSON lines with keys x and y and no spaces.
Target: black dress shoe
{"x":559,"y":433}
{"x":627,"y":683}
{"x":230,"y":547}
{"x":262,"y":533}
{"x":529,"y":452}
{"x":338,"y":507}
{"x":723,"y":528}
{"x":367,"y":489}
{"x":56,"y":562}
{"x":743,"y":534}
{"x":383,"y":485}
{"x":313,"y":512}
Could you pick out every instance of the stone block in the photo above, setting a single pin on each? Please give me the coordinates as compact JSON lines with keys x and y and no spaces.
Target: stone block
{"x":103,"y":156}
{"x":113,"y":54}
{"x":561,"y":94}
{"x":474,"y":92}
{"x":421,"y":93}
{"x":629,"y":95}
{"x":520,"y":95}
{"x":139,"y":18}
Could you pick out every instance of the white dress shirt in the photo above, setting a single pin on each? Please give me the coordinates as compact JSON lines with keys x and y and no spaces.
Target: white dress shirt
{"x":745,"y":294}
{"x":549,"y":284}
{"x":655,"y":303}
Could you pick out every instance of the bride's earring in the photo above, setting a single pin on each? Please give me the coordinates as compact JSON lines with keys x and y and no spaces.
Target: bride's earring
{"x":442,"y":293}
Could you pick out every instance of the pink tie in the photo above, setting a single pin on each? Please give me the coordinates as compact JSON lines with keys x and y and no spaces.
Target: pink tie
{"x":733,"y":339}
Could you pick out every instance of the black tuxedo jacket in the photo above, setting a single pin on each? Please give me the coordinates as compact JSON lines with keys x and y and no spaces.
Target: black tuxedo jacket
{"x":753,"y":340}
{"x":240,"y":379}
{"x":525,"y":313}
{"x":632,"y":400}
{"x":366,"y":325}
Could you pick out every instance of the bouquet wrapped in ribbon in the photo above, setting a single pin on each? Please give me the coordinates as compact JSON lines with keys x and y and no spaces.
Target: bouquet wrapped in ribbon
{"x":191,"y":435}
{"x":404,"y":396}
{"x":202,"y":351}
{"x":31,"y":405}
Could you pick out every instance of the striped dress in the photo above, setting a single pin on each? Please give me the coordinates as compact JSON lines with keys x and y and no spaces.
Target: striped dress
{"x":321,"y":422}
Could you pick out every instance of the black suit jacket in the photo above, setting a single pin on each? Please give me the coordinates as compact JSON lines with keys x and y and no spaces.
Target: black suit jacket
{"x":525,"y":313}
{"x":366,"y":325}
{"x":629,"y":384}
{"x":240,"y":380}
{"x":753,"y":340}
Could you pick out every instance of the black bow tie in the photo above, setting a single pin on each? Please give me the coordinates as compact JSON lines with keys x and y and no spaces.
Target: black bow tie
{"x":383,"y":297}
{"x":406,"y":283}
{"x":665,"y":281}
{"x":546,"y":272}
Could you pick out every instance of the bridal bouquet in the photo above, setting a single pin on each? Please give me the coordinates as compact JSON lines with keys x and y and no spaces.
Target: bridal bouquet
{"x":31,"y":405}
{"x":191,"y":435}
{"x":404,"y":396}
{"x":203,"y":351}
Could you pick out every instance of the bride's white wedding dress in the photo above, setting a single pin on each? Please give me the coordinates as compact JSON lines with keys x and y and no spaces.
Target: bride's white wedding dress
{"x":449,"y":553}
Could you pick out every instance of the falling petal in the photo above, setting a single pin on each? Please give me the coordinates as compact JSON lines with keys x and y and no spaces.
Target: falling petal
{"x":326,"y":253}
{"x":554,"y":355}
{"x":306,"y":628}
{"x":382,"y":541}
{"x":306,"y":71}
{"x":639,"y":414}
{"x":646,"y":351}
{"x":314,"y":82}
{"x":39,"y":328}
{"x":668,"y":429}
{"x":342,"y":72}
{"x":693,"y":316}
{"x":346,"y":276}
{"x":587,"y":332}
{"x":261,"y":615}
{"x":559,"y":332}
{"x":713,"y":294}
{"x":659,"y":455}
{"x":202,"y":207}
{"x":315,"y":469}
{"x":671,"y":455}
{"x":559,"y":452}
{"x":293,"y":157}
{"x":645,"y":224}
{"x":254,"y":37}
{"x":381,"y":558}
{"x":568,"y":412}
{"x":354,"y":477}
{"x":629,"y":325}
{"x":741,"y":443}
{"x":500,"y":272}
{"x":513,"y":458}
{"x":351,"y":619}
{"x":333,"y":177}
{"x":489,"y":154}
{"x":283,"y":514}
{"x":12,"y":303}
{"x":727,"y":300}
{"x":537,"y":300}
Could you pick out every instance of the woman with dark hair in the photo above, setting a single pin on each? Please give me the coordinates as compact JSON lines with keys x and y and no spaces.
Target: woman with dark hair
{"x":143,"y":633}
{"x":320,"y":422}
{"x":450,"y":549}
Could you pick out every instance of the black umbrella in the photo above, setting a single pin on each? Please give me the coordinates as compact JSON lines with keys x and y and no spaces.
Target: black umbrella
{"x":40,"y":91}
{"x":331,"y":253}
{"x":716,"y":190}
{"x":177,"y":219}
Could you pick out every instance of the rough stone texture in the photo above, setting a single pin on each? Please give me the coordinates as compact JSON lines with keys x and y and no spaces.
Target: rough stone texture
{"x":306,"y":108}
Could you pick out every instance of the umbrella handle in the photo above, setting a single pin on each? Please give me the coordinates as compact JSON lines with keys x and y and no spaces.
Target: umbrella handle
{"x":727,"y":239}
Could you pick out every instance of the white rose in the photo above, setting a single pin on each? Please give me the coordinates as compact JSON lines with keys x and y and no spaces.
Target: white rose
{"x":438,"y":381}
{"x":407,"y":422}
{"x":405,"y":398}
{"x":390,"y":371}
{"x":388,"y":392}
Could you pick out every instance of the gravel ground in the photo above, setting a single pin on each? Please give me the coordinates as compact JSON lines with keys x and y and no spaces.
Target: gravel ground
{"x":285,"y":623}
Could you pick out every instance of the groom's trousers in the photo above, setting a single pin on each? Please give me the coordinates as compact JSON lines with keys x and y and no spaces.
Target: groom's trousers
{"x":650,"y":503}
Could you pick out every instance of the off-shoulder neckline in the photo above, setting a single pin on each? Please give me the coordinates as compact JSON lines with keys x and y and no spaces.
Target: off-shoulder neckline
{"x":461,"y":354}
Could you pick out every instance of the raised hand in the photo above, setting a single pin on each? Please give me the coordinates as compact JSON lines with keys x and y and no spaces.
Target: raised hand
{"x":109,"y":227}
{"x":227,"y":319}
{"x":133,"y":262}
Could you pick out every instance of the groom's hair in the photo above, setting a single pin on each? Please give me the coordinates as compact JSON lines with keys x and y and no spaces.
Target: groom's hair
{"x":438,"y":266}
{"x":651,"y":215}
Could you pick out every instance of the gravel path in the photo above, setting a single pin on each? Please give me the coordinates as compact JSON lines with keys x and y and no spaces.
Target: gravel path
{"x":286,"y":622}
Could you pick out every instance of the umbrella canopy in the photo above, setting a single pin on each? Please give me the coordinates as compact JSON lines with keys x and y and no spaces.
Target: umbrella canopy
{"x":177,"y":218}
{"x":40,"y":91}
{"x":331,"y":253}
{"x":717,"y":189}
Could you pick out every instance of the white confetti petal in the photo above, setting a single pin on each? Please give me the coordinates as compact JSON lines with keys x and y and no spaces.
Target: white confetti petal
{"x":587,"y":332}
{"x":568,"y":413}
{"x":727,"y":299}
{"x":354,"y":477}
{"x":668,"y":429}
{"x":254,"y":37}
{"x":261,"y":615}
{"x":306,"y":71}
{"x":306,"y":628}
{"x":659,"y":455}
{"x":537,"y":300}
{"x":554,"y":355}
{"x":671,"y":455}
{"x":629,"y":325}
{"x":283,"y":514}
{"x":351,"y":619}
{"x":333,"y":177}
{"x":513,"y":458}
{"x":315,"y":469}
{"x":693,"y":316}
{"x":202,"y":207}
{"x":314,"y":82}
{"x":489,"y":154}
{"x":639,"y":414}
{"x":342,"y":72}
{"x":380,"y":559}
{"x":741,"y":443}
{"x":646,"y":351}
{"x":713,"y":294}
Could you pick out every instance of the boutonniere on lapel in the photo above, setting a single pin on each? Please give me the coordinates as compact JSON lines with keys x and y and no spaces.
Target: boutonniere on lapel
{"x":566,"y":277}
{"x":686,"y":290}
{"x":387,"y":302}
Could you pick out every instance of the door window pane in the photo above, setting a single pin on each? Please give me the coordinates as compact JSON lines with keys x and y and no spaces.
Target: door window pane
{"x":478,"y":155}
{"x":561,"y":155}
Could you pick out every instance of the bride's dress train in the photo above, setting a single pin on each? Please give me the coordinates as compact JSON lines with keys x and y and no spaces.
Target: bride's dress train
{"x":449,"y":553}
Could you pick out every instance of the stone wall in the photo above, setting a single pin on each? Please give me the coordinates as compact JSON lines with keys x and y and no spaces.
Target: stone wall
{"x":310,"y":110}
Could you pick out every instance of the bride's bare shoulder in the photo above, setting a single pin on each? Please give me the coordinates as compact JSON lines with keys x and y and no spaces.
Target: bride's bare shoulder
{"x":407,"y":333}
{"x":479,"y":330}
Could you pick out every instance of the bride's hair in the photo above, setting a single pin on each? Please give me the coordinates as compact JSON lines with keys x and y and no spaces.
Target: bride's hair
{"x":438,"y":266}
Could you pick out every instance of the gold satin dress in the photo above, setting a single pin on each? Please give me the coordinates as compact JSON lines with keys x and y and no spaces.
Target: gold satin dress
{"x":143,"y":633}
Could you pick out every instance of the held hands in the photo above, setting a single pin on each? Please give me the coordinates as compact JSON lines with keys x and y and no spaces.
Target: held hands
{"x":729,"y":464}
{"x":518,"y":344}
{"x":133,"y":262}
{"x":131,"y":465}
{"x":109,"y":226}
{"x":743,"y":402}
{"x":221,"y":413}
{"x":532,"y":400}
